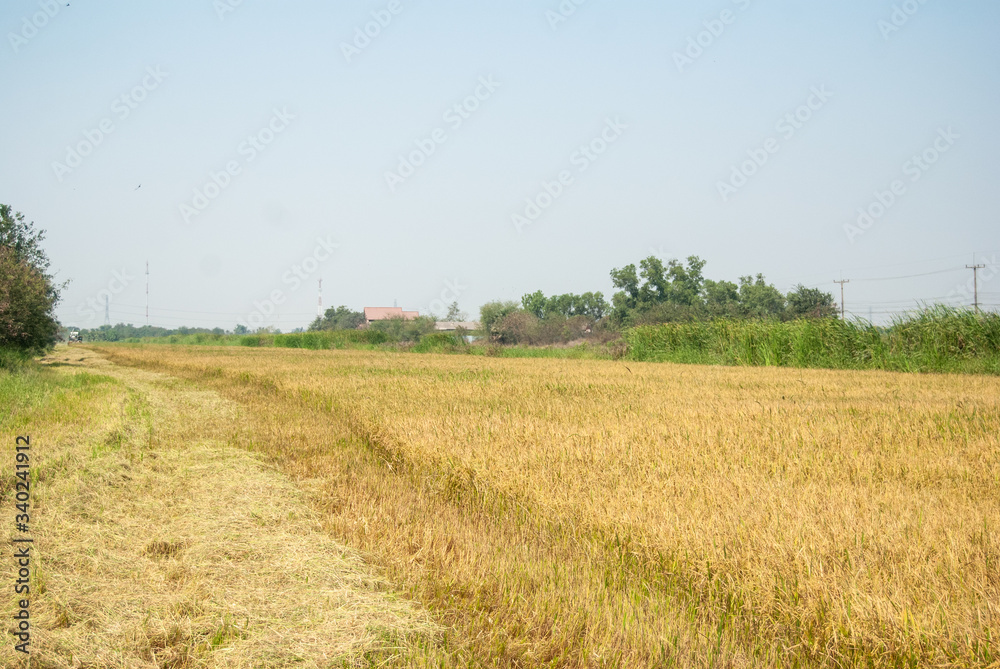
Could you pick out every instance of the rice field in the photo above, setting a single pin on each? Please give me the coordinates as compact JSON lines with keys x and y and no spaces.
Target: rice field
{"x":599,"y":513}
{"x":158,"y":544}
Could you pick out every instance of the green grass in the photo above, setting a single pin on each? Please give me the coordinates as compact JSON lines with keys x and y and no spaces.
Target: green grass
{"x":578,"y":352}
{"x":935,"y":340}
{"x":30,"y":389}
{"x":12,"y":359}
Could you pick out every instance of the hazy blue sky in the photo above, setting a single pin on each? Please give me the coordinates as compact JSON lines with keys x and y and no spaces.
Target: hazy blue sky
{"x":184,"y":85}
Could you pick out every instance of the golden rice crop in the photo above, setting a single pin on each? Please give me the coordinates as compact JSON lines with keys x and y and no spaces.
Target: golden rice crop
{"x":592,"y":512}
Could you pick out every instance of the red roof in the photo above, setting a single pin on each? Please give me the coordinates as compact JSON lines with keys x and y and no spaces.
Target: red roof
{"x":385,"y":313}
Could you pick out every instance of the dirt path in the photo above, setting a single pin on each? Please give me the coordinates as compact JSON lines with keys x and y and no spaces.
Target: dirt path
{"x":162,"y":543}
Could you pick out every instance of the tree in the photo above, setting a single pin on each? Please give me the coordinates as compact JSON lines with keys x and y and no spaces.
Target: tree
{"x":339,"y":318}
{"x":722,"y":298}
{"x":26,"y":305}
{"x":759,"y":299}
{"x":454,"y":313}
{"x":686,"y":282}
{"x":627,"y":298}
{"x":22,"y":238}
{"x":491,"y":313}
{"x":535,"y":303}
{"x":591,"y":305}
{"x":656,"y":284}
{"x":28,"y":296}
{"x":241,"y":329}
{"x":809,"y":303}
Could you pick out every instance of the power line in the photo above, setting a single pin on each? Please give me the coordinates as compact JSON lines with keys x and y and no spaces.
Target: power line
{"x":899,"y":264}
{"x":912,"y":276}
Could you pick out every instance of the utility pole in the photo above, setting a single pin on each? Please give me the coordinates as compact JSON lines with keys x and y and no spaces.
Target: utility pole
{"x":147,"y":293}
{"x":842,"y":282}
{"x":319,"y":308}
{"x":975,"y":282}
{"x":107,"y":311}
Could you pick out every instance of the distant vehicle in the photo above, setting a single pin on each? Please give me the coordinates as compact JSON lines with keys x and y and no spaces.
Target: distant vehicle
{"x":75,"y":336}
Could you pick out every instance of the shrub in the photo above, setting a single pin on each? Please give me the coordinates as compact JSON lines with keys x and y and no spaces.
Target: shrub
{"x":490,"y":315}
{"x":440,"y":342}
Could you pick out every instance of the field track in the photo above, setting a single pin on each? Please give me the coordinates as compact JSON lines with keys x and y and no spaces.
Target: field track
{"x":160,"y":544}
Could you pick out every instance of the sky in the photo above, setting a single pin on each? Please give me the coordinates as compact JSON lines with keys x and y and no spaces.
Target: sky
{"x":417,"y":153}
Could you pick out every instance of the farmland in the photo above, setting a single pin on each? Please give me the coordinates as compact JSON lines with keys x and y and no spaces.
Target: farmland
{"x":590,"y":512}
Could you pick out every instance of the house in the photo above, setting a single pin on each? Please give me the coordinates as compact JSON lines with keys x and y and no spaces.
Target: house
{"x":451,"y":326}
{"x":387,"y":313}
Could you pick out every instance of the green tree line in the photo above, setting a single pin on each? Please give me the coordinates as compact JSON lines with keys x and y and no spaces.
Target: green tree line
{"x":652,"y":292}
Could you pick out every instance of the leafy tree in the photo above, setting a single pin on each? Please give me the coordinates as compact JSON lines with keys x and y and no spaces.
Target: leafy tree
{"x":627,"y":298}
{"x":722,"y":298}
{"x":686,"y":282}
{"x":535,"y":303}
{"x":454,"y":313}
{"x":26,"y":305}
{"x":656,"y":284}
{"x":591,"y":305}
{"x":809,"y":303}
{"x":491,"y":313}
{"x":339,"y":318}
{"x":21,"y":237}
{"x":28,"y":296}
{"x":241,"y":329}
{"x":759,"y":299}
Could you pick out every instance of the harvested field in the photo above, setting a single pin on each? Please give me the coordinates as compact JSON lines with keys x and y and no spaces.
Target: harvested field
{"x":581,"y":513}
{"x":160,"y":543}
